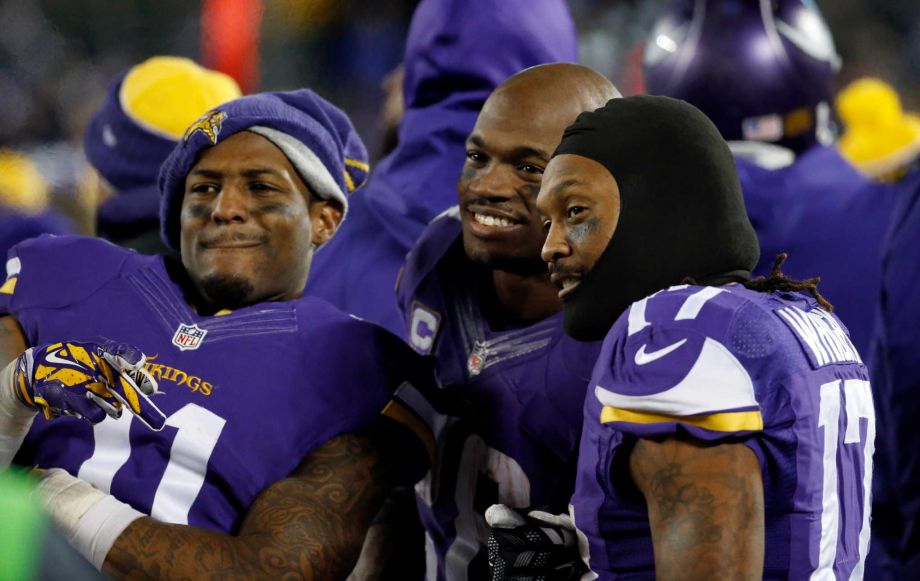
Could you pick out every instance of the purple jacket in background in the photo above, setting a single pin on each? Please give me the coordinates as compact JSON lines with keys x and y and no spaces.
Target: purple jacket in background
{"x":894,"y":361}
{"x":832,"y":221}
{"x":457,"y":52}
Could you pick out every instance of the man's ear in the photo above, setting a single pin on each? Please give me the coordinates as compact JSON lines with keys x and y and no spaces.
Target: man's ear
{"x":325,"y":217}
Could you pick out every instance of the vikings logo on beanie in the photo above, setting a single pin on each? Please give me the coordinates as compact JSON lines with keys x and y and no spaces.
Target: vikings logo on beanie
{"x":315,"y":135}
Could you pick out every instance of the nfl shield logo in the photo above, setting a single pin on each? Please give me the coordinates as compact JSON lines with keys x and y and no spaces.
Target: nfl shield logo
{"x":188,"y":337}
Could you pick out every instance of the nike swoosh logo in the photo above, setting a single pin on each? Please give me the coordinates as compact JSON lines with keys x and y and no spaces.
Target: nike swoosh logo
{"x":53,"y":358}
{"x":643,"y":358}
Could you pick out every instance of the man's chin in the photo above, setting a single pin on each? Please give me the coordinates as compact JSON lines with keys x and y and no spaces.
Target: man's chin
{"x":226,"y":291}
{"x":521,"y":265}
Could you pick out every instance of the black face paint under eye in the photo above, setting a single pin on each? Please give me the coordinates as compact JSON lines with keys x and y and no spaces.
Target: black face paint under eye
{"x":580,"y":232}
{"x":266,"y":209}
{"x":467,"y":173}
{"x":195,"y":210}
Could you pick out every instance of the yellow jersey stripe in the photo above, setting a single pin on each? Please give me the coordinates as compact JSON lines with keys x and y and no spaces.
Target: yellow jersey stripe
{"x":750,"y":421}
{"x":398,"y":412}
{"x":9,"y":287}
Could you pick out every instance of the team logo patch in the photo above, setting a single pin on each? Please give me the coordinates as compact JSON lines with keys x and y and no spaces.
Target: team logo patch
{"x":424,"y":328}
{"x":209,"y":124}
{"x":189,"y":337}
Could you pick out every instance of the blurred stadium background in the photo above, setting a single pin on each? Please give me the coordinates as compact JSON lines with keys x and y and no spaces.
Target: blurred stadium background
{"x":58,"y":56}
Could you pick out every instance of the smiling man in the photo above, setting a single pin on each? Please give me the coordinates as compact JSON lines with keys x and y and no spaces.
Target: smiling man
{"x":257,"y":420}
{"x":729,"y":425}
{"x":475,"y":295}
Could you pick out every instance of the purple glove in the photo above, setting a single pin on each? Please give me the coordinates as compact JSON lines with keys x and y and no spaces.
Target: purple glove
{"x":87,"y":380}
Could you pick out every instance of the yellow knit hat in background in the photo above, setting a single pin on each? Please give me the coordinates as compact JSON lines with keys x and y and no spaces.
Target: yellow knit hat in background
{"x":22,"y":186}
{"x":166,"y":94}
{"x":880,"y":138}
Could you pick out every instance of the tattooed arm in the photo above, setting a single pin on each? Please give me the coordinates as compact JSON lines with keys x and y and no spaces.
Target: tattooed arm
{"x":705,"y":508}
{"x":307,"y":526}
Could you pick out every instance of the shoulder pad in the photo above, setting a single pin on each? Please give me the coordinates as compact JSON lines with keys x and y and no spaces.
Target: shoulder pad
{"x":55,"y":271}
{"x":669,"y":362}
{"x":432,"y":245}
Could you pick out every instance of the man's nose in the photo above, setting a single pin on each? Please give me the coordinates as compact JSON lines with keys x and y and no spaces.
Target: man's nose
{"x":494,"y":184}
{"x":231,"y":205}
{"x":555,"y":245}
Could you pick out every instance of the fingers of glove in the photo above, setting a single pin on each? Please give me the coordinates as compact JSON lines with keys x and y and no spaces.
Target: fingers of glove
{"x":122,"y":355}
{"x":563,"y":521}
{"x":504,"y":517}
{"x":112,"y":408}
{"x":514,"y":556}
{"x":55,"y":399}
{"x":527,"y":537}
{"x":138,"y":403}
{"x":140,"y":377}
{"x":145,"y":381}
{"x":86,"y":408}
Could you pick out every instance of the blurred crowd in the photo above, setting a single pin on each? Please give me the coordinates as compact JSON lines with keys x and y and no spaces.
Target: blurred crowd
{"x":57,"y":59}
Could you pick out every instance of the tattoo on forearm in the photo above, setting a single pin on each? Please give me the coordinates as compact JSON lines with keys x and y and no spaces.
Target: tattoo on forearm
{"x":309,"y":526}
{"x":705,"y":507}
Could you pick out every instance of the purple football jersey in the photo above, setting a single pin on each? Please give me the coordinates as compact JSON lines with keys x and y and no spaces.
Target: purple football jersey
{"x":773,"y":371}
{"x":505,"y":426}
{"x":248,"y":393}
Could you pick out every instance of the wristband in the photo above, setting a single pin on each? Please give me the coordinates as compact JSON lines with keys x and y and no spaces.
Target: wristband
{"x":15,"y":418}
{"x":101,"y":526}
{"x":90,"y":519}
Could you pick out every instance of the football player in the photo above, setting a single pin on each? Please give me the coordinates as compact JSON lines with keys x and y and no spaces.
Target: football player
{"x":475,"y":295}
{"x":254,"y":459}
{"x":773,"y":105}
{"x":820,"y":200}
{"x":145,"y":114}
{"x":457,"y":52}
{"x":729,"y":423}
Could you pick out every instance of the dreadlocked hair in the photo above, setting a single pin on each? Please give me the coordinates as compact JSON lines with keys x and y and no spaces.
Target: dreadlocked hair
{"x":777,"y":281}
